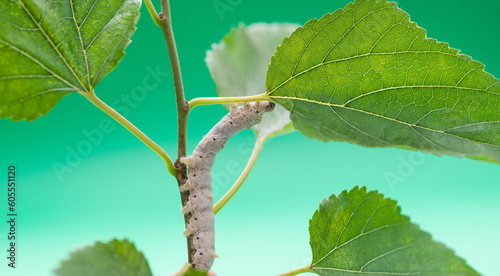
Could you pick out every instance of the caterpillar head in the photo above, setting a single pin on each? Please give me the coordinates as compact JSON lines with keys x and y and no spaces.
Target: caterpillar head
{"x":263,"y":107}
{"x":269,"y":106}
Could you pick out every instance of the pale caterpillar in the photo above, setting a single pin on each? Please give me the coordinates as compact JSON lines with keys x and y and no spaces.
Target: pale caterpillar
{"x":199,"y":182}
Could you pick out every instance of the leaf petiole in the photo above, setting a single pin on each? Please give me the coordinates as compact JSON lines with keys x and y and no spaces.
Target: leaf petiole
{"x":223,"y":100}
{"x":243,"y":176}
{"x":92,"y":97}
{"x":296,"y":271}
{"x":152,"y":11}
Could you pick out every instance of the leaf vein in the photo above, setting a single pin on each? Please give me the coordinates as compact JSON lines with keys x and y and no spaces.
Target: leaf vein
{"x":37,"y":62}
{"x":49,"y":39}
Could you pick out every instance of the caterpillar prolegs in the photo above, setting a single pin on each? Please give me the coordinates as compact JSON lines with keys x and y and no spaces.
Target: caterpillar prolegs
{"x":199,"y":182}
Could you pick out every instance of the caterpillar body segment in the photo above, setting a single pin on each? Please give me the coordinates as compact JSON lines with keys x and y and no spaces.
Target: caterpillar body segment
{"x":198,"y":178}
{"x":200,"y":199}
{"x":201,"y":220}
{"x":200,"y":160}
{"x":201,"y":236}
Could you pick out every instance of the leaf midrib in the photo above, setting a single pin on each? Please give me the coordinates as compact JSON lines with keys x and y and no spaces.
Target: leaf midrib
{"x":360,"y":235}
{"x":387,"y":118}
{"x":104,"y":27}
{"x":84,"y":51}
{"x":452,"y":273}
{"x":63,"y":58}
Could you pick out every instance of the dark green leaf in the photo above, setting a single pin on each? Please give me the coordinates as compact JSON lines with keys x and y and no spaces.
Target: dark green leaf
{"x":49,"y":49}
{"x":105,"y":259}
{"x":368,"y":75}
{"x":360,"y":233}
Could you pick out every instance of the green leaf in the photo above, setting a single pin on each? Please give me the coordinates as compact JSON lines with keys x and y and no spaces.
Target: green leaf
{"x":238,"y":65}
{"x":360,"y":233}
{"x":196,"y":273}
{"x":49,"y":49}
{"x":104,"y":259}
{"x":368,"y":75}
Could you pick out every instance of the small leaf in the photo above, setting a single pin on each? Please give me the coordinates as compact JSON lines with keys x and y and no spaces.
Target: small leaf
{"x":360,"y":233}
{"x":368,"y":75}
{"x":238,"y":66}
{"x":49,"y":49}
{"x":104,"y":259}
{"x":196,"y":273}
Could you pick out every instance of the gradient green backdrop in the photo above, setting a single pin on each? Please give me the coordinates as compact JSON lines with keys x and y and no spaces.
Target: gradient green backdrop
{"x":122,"y":189}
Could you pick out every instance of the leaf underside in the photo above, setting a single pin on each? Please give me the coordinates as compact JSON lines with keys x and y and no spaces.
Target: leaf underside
{"x":360,"y":233}
{"x":104,"y":259}
{"x":49,"y":49}
{"x":368,"y":75}
{"x":238,"y":65}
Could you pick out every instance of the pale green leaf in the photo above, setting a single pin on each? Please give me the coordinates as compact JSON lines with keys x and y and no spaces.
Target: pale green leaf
{"x":368,"y":75}
{"x":238,"y":65}
{"x":105,"y":259}
{"x":360,"y":233}
{"x":49,"y":49}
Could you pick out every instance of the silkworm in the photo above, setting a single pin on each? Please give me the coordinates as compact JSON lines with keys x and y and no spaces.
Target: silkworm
{"x":199,"y":182}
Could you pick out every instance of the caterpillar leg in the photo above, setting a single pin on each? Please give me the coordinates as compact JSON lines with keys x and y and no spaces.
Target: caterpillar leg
{"x":187,"y":208}
{"x":187,"y":186}
{"x":187,"y":160}
{"x":234,"y":109}
{"x":189,"y":231}
{"x":247,"y":106}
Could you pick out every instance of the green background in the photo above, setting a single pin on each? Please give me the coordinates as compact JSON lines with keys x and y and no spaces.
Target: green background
{"x":122,"y":189}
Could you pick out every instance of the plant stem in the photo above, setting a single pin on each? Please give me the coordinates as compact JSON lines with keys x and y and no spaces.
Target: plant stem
{"x":152,"y":11}
{"x":296,"y":271}
{"x":182,"y":109}
{"x":243,"y":176}
{"x":221,"y":100}
{"x":133,"y":129}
